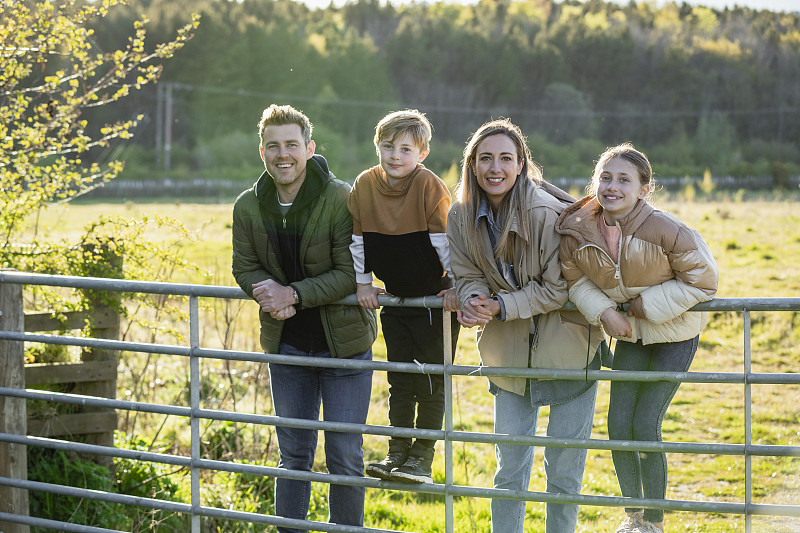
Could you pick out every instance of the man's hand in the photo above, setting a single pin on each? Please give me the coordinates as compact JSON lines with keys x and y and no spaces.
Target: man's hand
{"x":272,"y":296}
{"x":283,"y":314}
{"x":449,"y":299}
{"x":367,"y":295}
{"x":615,"y":323}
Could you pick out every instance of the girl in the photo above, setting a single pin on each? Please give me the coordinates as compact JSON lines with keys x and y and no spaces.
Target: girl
{"x":616,"y":249}
{"x":504,"y":256}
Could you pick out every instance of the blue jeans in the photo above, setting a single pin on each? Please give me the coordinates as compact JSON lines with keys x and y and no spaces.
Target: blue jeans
{"x":636,"y":411}
{"x":297,"y":392}
{"x":515,"y":415}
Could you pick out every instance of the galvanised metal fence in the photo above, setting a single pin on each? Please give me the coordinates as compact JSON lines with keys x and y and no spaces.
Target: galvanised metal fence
{"x":194,"y":413}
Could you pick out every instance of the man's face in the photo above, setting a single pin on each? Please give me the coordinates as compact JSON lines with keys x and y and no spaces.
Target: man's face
{"x":285,"y":154}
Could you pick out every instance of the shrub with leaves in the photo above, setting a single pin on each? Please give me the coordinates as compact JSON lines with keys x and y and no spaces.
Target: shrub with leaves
{"x":51,"y":76}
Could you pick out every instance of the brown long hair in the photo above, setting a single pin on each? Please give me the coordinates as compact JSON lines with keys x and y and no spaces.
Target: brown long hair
{"x":512,"y":207}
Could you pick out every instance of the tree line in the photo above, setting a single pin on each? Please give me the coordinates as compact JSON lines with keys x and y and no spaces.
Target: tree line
{"x":695,"y":87}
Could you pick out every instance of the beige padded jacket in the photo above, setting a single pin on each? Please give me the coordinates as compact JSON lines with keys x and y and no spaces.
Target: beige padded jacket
{"x":661,"y":259}
{"x":564,"y":339}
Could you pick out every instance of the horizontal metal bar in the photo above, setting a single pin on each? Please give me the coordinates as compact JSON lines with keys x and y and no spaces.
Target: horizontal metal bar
{"x":434,"y":488}
{"x":123,"y":285}
{"x":89,"y":342}
{"x":111,"y":497}
{"x":456,"y":436}
{"x":105,"y":451}
{"x":412,"y":368}
{"x":724,"y":507}
{"x":216,"y":291}
{"x":94,"y":401}
{"x":286,"y":522}
{"x":53,"y":524}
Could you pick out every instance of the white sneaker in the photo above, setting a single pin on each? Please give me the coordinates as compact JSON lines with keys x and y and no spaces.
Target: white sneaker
{"x":631,"y":524}
{"x":649,"y":527}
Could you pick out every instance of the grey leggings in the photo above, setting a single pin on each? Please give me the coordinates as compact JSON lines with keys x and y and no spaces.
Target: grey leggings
{"x":635,"y":412}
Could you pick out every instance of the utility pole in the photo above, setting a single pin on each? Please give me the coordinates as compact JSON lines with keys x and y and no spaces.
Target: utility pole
{"x":159,"y":147}
{"x":168,"y":129}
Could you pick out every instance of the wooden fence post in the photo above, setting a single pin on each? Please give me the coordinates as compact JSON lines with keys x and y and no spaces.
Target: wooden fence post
{"x":107,"y":263}
{"x":13,"y":457}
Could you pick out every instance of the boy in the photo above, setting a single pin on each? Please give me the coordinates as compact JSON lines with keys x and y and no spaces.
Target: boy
{"x":399,"y":210}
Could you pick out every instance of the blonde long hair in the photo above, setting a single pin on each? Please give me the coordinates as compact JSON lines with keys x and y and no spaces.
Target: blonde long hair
{"x":512,"y":207}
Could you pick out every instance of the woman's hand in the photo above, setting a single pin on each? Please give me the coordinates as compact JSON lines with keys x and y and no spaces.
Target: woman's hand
{"x":478,"y":311}
{"x":367,"y":295}
{"x":615,"y":323}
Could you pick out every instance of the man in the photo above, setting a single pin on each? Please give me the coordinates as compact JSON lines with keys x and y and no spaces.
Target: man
{"x":291,"y":237}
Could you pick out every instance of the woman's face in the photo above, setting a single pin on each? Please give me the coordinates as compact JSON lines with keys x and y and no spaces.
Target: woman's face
{"x":497,"y":165}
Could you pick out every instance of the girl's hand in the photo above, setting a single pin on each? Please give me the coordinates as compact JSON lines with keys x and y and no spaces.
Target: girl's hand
{"x":636,"y":308}
{"x":615,"y":323}
{"x":367,"y":295}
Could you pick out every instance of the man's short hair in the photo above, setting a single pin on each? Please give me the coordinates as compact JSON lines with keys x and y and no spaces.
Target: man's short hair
{"x":280,"y":115}
{"x":409,"y":121}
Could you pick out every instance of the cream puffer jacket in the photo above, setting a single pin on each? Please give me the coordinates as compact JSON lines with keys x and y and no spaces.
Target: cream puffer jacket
{"x":564,"y":340}
{"x":661,"y":259}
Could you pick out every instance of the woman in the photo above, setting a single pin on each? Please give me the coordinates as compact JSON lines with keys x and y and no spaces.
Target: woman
{"x":504,"y":256}
{"x":616,"y":249}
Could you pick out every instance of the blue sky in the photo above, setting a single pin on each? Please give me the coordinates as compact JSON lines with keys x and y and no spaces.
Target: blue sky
{"x":774,"y":5}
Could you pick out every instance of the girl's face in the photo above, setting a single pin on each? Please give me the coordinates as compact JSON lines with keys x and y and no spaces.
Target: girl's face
{"x":619,"y":187}
{"x":496,"y":167}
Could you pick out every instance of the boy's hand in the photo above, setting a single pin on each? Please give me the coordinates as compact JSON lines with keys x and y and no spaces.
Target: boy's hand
{"x":367,"y":295}
{"x":449,"y":299}
{"x":615,"y":323}
{"x":284,"y":314}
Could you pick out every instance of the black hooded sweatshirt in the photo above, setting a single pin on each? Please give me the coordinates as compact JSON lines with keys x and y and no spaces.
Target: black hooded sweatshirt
{"x":304,"y":330}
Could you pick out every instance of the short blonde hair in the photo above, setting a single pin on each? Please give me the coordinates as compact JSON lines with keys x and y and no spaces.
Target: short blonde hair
{"x":280,"y":115}
{"x":410,"y":121}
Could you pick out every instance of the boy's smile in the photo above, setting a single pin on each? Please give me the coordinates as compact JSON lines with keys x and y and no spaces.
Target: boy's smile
{"x":399,"y":157}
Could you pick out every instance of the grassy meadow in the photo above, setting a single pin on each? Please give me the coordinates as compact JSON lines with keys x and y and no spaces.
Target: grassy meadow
{"x":756,"y":241}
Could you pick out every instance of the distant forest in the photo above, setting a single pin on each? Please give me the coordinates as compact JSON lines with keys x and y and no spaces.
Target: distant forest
{"x":696,"y":88}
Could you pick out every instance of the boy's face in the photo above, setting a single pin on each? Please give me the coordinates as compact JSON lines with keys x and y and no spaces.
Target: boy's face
{"x":285,"y":154}
{"x":399,"y":157}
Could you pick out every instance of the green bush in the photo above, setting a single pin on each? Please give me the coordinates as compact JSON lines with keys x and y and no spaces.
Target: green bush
{"x":147,"y":480}
{"x":243,"y":492}
{"x":130,"y":477}
{"x":68,"y":468}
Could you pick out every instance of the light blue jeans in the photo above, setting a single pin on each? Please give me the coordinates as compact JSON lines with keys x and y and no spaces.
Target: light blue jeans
{"x":514,"y":415}
{"x":297,"y":392}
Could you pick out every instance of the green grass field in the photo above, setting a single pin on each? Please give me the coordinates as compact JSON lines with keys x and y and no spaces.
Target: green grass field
{"x":756,"y":242}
